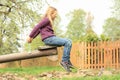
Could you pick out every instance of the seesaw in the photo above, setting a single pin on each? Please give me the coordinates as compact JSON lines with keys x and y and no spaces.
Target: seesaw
{"x":41,"y":52}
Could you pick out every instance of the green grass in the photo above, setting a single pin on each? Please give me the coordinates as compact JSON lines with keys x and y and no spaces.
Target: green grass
{"x":38,"y":70}
{"x":31,"y":70}
{"x":113,"y":77}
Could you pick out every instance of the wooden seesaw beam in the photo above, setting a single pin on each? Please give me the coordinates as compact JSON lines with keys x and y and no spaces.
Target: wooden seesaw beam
{"x":41,"y":52}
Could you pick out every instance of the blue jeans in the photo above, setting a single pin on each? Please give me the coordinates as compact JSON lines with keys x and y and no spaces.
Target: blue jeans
{"x":57,"y":41}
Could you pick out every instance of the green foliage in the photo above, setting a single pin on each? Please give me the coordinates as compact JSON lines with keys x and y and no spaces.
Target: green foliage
{"x":16,"y":16}
{"x":8,"y":31}
{"x":80,"y":29}
{"x":104,"y":38}
{"x":90,"y":37}
{"x":34,"y":45}
{"x":76,"y":26}
{"x":112,"y":28}
{"x":116,"y":9}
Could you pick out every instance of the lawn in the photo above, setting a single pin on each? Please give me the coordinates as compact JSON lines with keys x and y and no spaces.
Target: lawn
{"x":51,"y":73}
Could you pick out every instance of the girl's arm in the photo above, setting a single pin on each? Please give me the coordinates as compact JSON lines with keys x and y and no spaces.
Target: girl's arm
{"x":36,"y":30}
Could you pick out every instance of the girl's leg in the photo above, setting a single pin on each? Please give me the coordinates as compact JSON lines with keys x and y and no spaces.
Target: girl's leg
{"x":57,"y":41}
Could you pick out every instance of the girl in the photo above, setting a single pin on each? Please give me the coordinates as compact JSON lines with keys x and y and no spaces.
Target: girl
{"x":45,"y":29}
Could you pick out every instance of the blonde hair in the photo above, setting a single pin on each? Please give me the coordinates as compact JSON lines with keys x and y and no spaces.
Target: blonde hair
{"x":48,"y":13}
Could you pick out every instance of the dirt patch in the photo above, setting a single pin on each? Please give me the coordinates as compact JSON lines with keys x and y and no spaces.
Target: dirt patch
{"x":57,"y":74}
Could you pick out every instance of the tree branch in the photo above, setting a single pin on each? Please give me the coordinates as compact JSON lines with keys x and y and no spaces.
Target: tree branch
{"x":47,"y":2}
{"x":8,"y":11}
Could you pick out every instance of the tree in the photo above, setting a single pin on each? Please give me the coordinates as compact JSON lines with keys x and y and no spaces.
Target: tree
{"x":112,"y":24}
{"x":76,"y":26}
{"x":112,"y":28}
{"x":90,"y":35}
{"x":116,"y":9}
{"x":16,"y":15}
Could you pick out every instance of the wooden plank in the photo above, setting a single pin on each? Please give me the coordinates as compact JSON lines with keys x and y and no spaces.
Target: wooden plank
{"x":117,"y":58}
{"x":25,"y":55}
{"x":92,"y":59}
{"x":88,"y":55}
{"x":85,"y":56}
{"x":46,"y":47}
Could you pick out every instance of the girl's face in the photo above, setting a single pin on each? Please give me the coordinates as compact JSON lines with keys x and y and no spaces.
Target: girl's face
{"x":53,"y":14}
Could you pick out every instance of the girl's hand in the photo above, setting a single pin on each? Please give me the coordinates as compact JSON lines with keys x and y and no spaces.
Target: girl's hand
{"x":29,"y":39}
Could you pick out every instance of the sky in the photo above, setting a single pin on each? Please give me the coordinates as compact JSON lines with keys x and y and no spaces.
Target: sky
{"x":100,"y":9}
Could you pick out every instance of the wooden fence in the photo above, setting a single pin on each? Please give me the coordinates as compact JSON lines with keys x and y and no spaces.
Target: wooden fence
{"x":96,"y":55}
{"x":83,"y":55}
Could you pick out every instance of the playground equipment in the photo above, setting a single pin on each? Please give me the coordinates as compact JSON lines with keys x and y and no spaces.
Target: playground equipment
{"x":41,"y":52}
